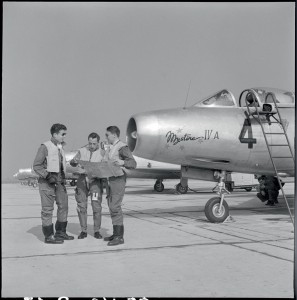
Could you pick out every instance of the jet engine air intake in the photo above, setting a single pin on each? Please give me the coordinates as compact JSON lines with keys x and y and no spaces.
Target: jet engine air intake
{"x":143,"y":135}
{"x":131,"y":134}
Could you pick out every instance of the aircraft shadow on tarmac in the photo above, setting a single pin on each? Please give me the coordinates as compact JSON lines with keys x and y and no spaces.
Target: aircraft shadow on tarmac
{"x":243,"y":209}
{"x":165,"y":192}
{"x":72,"y":229}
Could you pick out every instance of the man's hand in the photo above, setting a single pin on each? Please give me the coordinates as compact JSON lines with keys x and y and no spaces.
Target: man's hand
{"x":51,"y":179}
{"x":118,"y":162}
{"x":73,"y":162}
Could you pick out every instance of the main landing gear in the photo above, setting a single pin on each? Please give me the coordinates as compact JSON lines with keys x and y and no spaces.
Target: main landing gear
{"x":159,"y":186}
{"x":181,"y":189}
{"x":216,"y":209}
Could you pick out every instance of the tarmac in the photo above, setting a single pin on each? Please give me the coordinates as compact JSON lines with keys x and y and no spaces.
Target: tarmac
{"x":170,"y":249}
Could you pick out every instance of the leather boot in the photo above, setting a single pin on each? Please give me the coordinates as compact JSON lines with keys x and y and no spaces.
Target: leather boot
{"x":110,"y":238}
{"x":118,"y":236}
{"x":48,"y":232}
{"x":61,"y":231}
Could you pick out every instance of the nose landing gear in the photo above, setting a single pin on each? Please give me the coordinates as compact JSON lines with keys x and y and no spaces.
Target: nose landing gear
{"x":216,"y":209}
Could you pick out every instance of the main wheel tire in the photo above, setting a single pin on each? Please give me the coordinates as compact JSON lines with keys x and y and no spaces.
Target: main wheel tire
{"x":182,"y":189}
{"x":72,"y":183}
{"x":212,"y":213}
{"x":159,"y":187}
{"x":249,"y":189}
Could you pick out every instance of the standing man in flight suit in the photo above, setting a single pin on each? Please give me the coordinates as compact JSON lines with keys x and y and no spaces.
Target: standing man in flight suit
{"x":92,"y":152}
{"x":50,"y":165}
{"x":120,"y":155}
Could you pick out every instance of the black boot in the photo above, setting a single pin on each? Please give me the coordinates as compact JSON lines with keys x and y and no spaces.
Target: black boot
{"x":97,"y":235}
{"x":118,"y":236}
{"x":270,"y":203}
{"x":82,"y":235}
{"x":48,"y":232}
{"x":110,"y":238}
{"x":61,"y":231}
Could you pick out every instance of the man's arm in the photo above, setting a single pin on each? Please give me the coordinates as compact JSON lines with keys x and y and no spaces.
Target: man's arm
{"x":127,"y":157}
{"x":39,"y":162}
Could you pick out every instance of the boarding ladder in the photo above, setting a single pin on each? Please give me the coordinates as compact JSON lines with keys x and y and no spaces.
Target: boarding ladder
{"x":277,"y":120}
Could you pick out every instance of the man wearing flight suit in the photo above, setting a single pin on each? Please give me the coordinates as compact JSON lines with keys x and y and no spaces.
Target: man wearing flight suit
{"x":120,"y":155}
{"x":92,"y":152}
{"x":273,"y":187}
{"x":50,"y":165}
{"x":269,"y":189}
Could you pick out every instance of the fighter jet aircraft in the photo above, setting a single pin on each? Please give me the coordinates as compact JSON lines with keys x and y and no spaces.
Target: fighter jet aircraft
{"x":30,"y":178}
{"x":27,"y":177}
{"x":216,"y":136}
{"x":145,"y":169}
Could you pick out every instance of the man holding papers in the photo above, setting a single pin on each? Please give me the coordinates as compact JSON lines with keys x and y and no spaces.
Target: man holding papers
{"x":89,"y":154}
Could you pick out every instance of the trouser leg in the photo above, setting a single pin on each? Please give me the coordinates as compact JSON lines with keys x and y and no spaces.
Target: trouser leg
{"x":272,"y":196}
{"x":82,"y":205}
{"x":47,"y":206}
{"x":62,"y":202}
{"x":117,"y":191}
{"x":96,"y":200}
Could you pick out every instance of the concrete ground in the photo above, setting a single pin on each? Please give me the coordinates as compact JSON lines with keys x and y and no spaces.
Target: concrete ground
{"x":170,"y":248}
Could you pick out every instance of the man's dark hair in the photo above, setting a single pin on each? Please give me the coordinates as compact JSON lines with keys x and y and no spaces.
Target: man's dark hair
{"x":57,"y":127}
{"x":94,"y":135}
{"x":114,"y":130}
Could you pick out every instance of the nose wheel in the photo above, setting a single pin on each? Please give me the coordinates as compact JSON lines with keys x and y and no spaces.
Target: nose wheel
{"x":216,"y":209}
{"x":214,"y":213}
{"x":159,"y":186}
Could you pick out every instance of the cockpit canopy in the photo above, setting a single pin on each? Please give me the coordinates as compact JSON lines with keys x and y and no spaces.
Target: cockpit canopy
{"x":250,"y":97}
{"x":266,"y":95}
{"x":223,"y":98}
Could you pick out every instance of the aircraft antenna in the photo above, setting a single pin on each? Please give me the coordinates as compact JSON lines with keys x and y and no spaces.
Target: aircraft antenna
{"x":187,"y":95}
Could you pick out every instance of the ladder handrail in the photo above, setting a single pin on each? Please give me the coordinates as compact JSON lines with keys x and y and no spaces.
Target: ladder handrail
{"x":270,"y":155}
{"x":281,"y":122}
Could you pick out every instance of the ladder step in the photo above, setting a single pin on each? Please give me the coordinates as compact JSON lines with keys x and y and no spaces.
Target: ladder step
{"x":281,"y":156}
{"x":270,"y":122}
{"x":277,"y":145}
{"x":274,"y":133}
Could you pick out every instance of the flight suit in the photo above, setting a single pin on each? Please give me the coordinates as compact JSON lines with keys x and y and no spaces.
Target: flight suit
{"x":117,"y":190}
{"x":50,"y":163}
{"x":272,"y":186}
{"x":85,"y":187}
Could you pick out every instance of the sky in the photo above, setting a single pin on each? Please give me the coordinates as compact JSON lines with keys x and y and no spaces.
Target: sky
{"x":89,"y":65}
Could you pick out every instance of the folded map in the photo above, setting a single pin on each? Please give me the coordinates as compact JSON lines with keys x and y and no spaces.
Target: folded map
{"x":103,"y":169}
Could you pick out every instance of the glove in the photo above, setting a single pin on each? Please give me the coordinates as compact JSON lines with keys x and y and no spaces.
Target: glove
{"x":51,"y":179}
{"x":73,"y":162}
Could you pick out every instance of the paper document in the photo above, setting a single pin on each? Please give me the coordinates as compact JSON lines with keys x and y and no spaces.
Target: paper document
{"x":103,"y":169}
